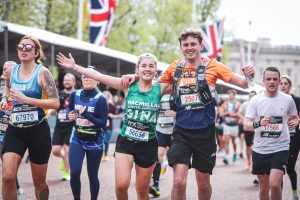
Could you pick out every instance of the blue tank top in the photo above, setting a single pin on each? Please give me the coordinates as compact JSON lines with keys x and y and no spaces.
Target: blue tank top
{"x":30,"y":88}
{"x":83,"y":125}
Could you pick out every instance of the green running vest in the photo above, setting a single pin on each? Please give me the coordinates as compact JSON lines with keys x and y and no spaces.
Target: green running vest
{"x":142,"y":109}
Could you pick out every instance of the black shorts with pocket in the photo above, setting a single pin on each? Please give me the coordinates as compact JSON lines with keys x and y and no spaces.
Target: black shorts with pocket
{"x":263,"y":163}
{"x":144,"y":153}
{"x":36,"y":139}
{"x":200,"y":145}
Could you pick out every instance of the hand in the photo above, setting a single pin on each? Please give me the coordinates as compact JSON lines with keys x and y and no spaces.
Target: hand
{"x":68,"y":63}
{"x":205,"y":59}
{"x":170,"y":113}
{"x":128,"y":79}
{"x":18,"y":96}
{"x":248,"y":70}
{"x":293,"y":122}
{"x":71,"y":115}
{"x":265,"y":121}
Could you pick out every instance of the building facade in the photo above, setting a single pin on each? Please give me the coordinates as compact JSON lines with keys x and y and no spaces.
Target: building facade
{"x":262,"y":55}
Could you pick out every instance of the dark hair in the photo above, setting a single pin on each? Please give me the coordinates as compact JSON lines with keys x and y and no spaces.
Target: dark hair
{"x":38,"y":48}
{"x":190,"y":32}
{"x":271,"y":69}
{"x":231,"y":91}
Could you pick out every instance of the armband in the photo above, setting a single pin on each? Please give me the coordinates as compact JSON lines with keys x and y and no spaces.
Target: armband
{"x":256,"y":124}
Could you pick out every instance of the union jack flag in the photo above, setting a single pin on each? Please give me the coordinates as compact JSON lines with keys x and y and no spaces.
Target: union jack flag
{"x":102,"y":13}
{"x":213,"y":39}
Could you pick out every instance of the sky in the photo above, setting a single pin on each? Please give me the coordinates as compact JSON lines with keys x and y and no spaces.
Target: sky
{"x":274,"y":19}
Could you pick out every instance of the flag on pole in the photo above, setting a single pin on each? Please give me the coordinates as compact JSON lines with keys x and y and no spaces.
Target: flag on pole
{"x":102,"y":13}
{"x":213,"y":39}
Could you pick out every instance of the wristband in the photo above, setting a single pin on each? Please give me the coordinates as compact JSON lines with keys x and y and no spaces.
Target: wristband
{"x":256,"y":124}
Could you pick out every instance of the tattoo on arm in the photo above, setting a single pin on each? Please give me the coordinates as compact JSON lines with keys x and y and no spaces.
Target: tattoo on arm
{"x":49,"y":84}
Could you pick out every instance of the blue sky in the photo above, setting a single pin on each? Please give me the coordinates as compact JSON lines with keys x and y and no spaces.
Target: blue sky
{"x":277,"y":20}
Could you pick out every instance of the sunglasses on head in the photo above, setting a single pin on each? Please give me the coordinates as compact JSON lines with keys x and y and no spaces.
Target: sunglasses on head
{"x":28,"y":47}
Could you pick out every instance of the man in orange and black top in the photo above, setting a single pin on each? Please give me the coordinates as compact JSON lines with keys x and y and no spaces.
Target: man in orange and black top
{"x":194,"y":132}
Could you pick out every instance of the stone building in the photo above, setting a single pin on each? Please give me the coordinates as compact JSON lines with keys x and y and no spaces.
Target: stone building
{"x":263,"y":54}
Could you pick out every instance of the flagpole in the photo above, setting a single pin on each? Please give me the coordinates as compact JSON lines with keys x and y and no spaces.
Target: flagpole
{"x":79,"y":20}
{"x":249,"y":45}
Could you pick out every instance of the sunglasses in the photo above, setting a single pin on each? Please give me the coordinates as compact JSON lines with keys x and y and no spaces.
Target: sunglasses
{"x":28,"y":47}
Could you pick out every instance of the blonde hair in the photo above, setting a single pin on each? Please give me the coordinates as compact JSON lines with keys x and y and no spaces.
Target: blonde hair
{"x":109,"y":97}
{"x":142,"y":57}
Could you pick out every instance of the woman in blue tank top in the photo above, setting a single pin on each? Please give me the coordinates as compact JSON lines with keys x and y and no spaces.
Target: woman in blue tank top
{"x":88,"y":109}
{"x":33,"y":90}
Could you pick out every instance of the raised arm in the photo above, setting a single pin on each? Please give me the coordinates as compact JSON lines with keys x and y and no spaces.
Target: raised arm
{"x":110,"y":81}
{"x":241,"y":81}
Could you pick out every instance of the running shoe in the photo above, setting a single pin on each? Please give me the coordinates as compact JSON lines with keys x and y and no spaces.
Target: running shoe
{"x":225,"y":160}
{"x":163,"y":171}
{"x":62,"y":165}
{"x":255,"y":182}
{"x":221,"y":153}
{"x":241,"y":155}
{"x":154,"y":190}
{"x":234,"y":158}
{"x":21,"y":194}
{"x":248,"y":167}
{"x":66,"y":176}
{"x":105,"y":158}
{"x":294,"y":197}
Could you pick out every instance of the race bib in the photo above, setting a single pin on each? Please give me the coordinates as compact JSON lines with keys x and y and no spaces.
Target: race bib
{"x":24,"y":114}
{"x":190,"y":99}
{"x":273,"y":129}
{"x":137,"y":131}
{"x":83,"y":122}
{"x":62,"y":115}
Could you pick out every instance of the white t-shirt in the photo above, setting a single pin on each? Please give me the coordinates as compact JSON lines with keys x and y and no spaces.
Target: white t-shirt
{"x":274,"y":137}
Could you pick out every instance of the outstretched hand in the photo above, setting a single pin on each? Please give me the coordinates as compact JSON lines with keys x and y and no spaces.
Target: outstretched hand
{"x":68,"y":63}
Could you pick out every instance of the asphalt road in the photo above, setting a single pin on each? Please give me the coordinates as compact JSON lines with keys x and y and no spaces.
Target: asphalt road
{"x":229,"y":182}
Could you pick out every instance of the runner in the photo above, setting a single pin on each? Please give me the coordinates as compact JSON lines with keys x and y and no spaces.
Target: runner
{"x":229,"y":110}
{"x":137,"y":142}
{"x":63,"y":127}
{"x":33,"y":90}
{"x":88,"y":108}
{"x":286,"y":86}
{"x":112,"y":114}
{"x":270,"y":114}
{"x":194,"y":82}
{"x":164,"y":129}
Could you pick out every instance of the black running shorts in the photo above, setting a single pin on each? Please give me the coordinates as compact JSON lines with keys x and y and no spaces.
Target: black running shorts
{"x":61,"y":135}
{"x":36,"y":138}
{"x":263,"y":163}
{"x":144,"y":153}
{"x":164,"y":140}
{"x":200,"y":145}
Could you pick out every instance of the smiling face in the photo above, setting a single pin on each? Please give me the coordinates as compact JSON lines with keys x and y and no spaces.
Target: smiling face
{"x":271,"y":81}
{"x":24,"y":54}
{"x":147,"y":68}
{"x":285,"y":85}
{"x":190,"y":48}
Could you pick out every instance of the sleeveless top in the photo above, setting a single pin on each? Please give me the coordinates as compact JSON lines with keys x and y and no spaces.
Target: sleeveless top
{"x":142,"y":110}
{"x":26,"y":114}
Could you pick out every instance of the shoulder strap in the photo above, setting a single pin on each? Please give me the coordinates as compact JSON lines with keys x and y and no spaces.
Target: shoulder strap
{"x":98,"y":95}
{"x":177,"y":74}
{"x":78,"y":92}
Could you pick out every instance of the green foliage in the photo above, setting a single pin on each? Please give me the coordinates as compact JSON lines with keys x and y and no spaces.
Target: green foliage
{"x":139,"y":26}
